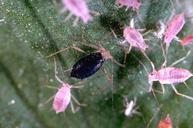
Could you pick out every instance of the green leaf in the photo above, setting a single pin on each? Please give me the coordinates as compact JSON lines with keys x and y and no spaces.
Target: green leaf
{"x":33,"y":29}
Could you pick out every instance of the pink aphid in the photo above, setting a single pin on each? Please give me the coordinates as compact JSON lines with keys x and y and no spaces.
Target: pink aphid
{"x":134,"y":4}
{"x":170,"y":75}
{"x":187,"y":40}
{"x":62,"y":98}
{"x":134,"y":38}
{"x":78,"y":8}
{"x":174,"y":27}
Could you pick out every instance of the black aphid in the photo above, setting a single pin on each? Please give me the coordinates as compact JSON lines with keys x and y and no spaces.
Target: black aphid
{"x":87,"y":65}
{"x":90,"y":64}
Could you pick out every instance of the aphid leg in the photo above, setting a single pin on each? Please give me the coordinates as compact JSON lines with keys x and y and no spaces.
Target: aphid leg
{"x":62,"y":50}
{"x":75,"y":22}
{"x":181,"y":59}
{"x":68,"y":17}
{"x":47,"y":101}
{"x":152,"y":65}
{"x":116,"y":62}
{"x":152,"y":118}
{"x":74,"y":110}
{"x":186,"y":85}
{"x":180,"y":94}
{"x":164,"y":55}
{"x":90,"y":45}
{"x":163,"y":88}
{"x":63,"y":10}
{"x":56,"y":72}
{"x":109,"y":78}
{"x":77,"y":102}
{"x":127,"y":51}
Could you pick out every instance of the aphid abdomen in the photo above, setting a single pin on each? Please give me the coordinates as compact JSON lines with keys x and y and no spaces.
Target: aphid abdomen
{"x":87,"y":66}
{"x":172,"y":75}
{"x":62,"y":99}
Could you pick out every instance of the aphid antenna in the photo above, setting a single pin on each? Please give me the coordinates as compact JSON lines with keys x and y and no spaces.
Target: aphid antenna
{"x":147,"y":73}
{"x":181,"y":59}
{"x":62,"y":50}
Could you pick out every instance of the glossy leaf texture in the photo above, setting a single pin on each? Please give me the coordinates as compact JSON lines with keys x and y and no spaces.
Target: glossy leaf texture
{"x":30,"y":30}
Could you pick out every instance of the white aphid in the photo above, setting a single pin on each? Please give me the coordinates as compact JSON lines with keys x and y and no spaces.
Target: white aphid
{"x":161,"y":29}
{"x":131,"y":108}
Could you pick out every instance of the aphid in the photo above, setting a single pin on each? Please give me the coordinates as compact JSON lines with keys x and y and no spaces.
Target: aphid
{"x":63,"y":96}
{"x":187,"y":40}
{"x":135,"y":39}
{"x":165,"y":123}
{"x":134,"y":4}
{"x":174,"y":27}
{"x":131,"y":108}
{"x":161,"y":29}
{"x":169,"y":75}
{"x":90,"y":64}
{"x":79,"y":9}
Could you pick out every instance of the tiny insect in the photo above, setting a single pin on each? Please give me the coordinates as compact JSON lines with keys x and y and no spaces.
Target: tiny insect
{"x":131,"y":108}
{"x":90,"y":64}
{"x":63,"y":96}
{"x":78,"y":8}
{"x":134,"y":4}
{"x":169,"y":75}
{"x":174,"y":27}
{"x":187,"y":40}
{"x":135,"y":39}
{"x":161,"y":29}
{"x":165,"y":123}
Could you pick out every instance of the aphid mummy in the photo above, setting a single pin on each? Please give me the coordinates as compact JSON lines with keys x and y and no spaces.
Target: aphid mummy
{"x":165,"y":123}
{"x":134,"y":4}
{"x":187,"y":40}
{"x":174,"y":27}
{"x":78,"y":8}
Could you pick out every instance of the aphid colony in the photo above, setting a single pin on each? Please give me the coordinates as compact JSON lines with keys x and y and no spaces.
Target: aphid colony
{"x":91,"y":63}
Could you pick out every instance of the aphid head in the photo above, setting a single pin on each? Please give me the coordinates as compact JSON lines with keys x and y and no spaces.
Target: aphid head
{"x":86,"y":18}
{"x":152,"y":77}
{"x":105,"y":53}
